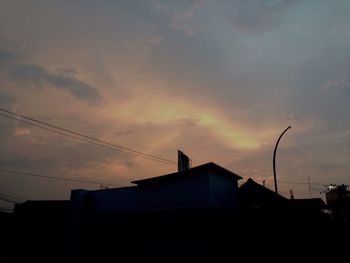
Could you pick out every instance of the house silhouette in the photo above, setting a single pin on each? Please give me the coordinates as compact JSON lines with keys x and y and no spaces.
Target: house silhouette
{"x":196,"y":213}
{"x":338,"y":200}
{"x":173,"y":212}
{"x":204,"y":186}
{"x":254,"y":195}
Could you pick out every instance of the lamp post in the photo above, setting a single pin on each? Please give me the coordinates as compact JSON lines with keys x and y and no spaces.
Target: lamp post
{"x":274,"y":158}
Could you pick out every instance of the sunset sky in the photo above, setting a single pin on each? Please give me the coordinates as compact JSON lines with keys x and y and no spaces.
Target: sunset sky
{"x":219,"y":80}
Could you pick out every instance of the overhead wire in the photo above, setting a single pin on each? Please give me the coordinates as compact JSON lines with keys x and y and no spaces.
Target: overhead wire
{"x":5,"y":209}
{"x":80,"y":136}
{"x":72,"y":136}
{"x":8,"y":200}
{"x":300,"y":182}
{"x":58,"y":178}
{"x":295,"y":182}
{"x":12,"y":197}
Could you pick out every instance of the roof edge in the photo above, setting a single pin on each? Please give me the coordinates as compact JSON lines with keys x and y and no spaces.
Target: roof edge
{"x":207,"y":166}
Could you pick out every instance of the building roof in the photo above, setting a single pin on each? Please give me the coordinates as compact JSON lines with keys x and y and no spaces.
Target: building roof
{"x":198,"y":170}
{"x":253,"y":194}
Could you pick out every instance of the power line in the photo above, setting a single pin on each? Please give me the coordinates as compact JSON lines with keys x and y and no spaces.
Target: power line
{"x":300,"y":182}
{"x":297,"y":182}
{"x":5,"y":209}
{"x":121,"y":148}
{"x":56,"y":178}
{"x":88,"y":139}
{"x":67,"y":132}
{"x":74,"y":137}
{"x":42,"y":127}
{"x":8,"y":200}
{"x":13,"y":197}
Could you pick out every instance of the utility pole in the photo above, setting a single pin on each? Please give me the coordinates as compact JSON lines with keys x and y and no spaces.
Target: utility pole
{"x":274,"y":159}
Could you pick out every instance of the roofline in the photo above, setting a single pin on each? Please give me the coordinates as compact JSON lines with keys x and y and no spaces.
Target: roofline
{"x":210,"y":165}
{"x":251,"y":181}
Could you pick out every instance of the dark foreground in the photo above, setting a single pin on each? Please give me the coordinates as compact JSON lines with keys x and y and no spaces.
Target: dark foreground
{"x":173,"y":235}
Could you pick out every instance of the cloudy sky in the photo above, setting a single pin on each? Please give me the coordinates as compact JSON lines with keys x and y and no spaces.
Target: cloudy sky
{"x":218,"y":79}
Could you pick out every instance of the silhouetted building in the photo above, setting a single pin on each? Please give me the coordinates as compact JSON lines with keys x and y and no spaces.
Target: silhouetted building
{"x":338,"y":200}
{"x":175,"y":213}
{"x":259,"y":200}
{"x":313,"y":207}
{"x":254,"y":195}
{"x":44,"y":209}
{"x":42,"y":229}
{"x":198,"y":213}
{"x":207,"y":185}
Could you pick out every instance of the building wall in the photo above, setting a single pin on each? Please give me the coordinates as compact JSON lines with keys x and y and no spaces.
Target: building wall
{"x":332,"y":197}
{"x":205,"y":190}
{"x":338,"y":200}
{"x":111,"y":200}
{"x":223,"y":191}
{"x":191,"y":191}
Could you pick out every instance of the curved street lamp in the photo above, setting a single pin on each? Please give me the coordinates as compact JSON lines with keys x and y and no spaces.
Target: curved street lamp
{"x":274,"y":158}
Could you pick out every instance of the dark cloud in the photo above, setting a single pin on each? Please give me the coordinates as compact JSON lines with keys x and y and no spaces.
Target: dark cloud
{"x":40,"y":77}
{"x":6,"y":56}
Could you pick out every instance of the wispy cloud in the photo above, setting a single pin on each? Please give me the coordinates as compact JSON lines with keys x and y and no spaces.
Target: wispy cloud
{"x":257,"y":16}
{"x":166,"y":111}
{"x":182,"y":15}
{"x":335,"y":85}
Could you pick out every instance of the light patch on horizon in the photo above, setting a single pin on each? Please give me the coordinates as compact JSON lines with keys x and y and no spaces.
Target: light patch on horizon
{"x":166,"y":111}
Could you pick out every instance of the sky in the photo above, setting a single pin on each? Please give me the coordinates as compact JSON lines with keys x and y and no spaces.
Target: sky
{"x":219,"y":80}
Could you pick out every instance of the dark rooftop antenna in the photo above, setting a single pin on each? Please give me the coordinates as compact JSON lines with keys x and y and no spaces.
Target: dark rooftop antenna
{"x":183,"y":161}
{"x":274,"y":159}
{"x":291,"y":194}
{"x":308,"y":179}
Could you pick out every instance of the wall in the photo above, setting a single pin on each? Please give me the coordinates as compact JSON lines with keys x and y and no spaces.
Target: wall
{"x":223,"y":191}
{"x":111,"y":200}
{"x":205,"y":190}
{"x":191,"y":191}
